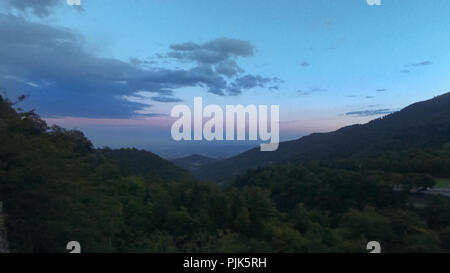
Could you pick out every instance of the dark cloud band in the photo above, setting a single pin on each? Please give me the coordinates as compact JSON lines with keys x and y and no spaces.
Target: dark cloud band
{"x":367,"y":113}
{"x":51,"y":65}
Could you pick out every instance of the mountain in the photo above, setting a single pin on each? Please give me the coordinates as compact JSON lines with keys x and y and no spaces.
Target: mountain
{"x":420,"y":125}
{"x":193,"y":162}
{"x":147,"y":164}
{"x":56,"y":187}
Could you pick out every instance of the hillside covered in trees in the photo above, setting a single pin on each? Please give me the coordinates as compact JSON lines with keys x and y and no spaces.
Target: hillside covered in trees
{"x":192,"y":162}
{"x":422,"y":125}
{"x":56,"y":187}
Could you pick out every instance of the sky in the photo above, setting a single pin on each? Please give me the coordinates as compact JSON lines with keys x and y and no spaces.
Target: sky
{"x":115,"y":68}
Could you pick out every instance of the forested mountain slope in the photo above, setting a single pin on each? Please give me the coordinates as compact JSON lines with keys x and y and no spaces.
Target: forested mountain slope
{"x":57,"y":188}
{"x":420,"y":125}
{"x":147,"y":164}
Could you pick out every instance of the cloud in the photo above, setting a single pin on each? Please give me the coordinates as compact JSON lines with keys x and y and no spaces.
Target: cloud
{"x":366,"y":113}
{"x":218,"y":59}
{"x":381,"y":90}
{"x":304,"y":64}
{"x":275,"y":87}
{"x":404,"y":71}
{"x":424,"y":63}
{"x":166,"y":99}
{"x":213,"y":52}
{"x":39,"y":8}
{"x":54,"y":59}
{"x":251,"y":81}
{"x":74,"y":82}
{"x":154,"y":115}
{"x":248,"y":82}
{"x":370,"y":97}
{"x":228,"y":68}
{"x":310,"y":91}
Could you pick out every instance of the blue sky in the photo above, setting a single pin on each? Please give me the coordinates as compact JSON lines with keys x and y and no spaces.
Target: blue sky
{"x":326,"y":63}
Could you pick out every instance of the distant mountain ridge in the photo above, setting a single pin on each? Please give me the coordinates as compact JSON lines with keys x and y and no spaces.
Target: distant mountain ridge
{"x":192,"y":162}
{"x":422,"y":124}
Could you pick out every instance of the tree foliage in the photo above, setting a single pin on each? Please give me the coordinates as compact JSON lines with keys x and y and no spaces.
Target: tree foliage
{"x":56,"y":187}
